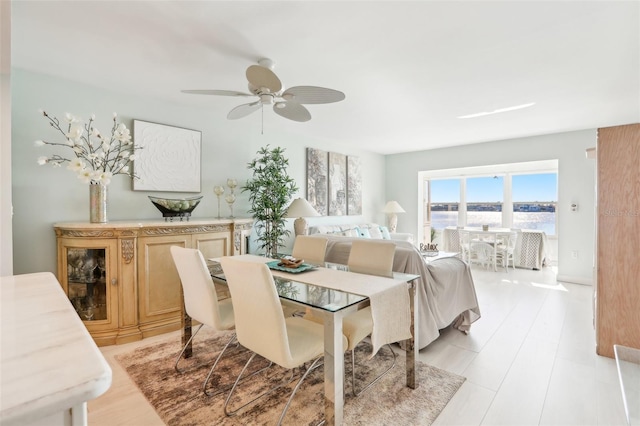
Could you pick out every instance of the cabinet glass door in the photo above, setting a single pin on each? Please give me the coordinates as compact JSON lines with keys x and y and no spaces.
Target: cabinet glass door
{"x":87,"y":278}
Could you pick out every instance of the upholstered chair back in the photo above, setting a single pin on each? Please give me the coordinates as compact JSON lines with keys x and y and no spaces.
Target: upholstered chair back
{"x":372,"y":257}
{"x":311,"y":249}
{"x":200,"y":298}
{"x":260,"y":323}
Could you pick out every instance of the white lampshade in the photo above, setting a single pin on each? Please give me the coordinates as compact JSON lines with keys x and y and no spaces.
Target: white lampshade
{"x":393,"y":207}
{"x":300,"y":208}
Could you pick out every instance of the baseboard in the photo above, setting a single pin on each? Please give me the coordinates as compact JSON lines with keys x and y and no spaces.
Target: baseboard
{"x":574,"y":279}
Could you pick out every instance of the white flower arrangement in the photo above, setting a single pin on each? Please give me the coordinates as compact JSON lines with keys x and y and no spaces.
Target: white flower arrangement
{"x":97,"y":158}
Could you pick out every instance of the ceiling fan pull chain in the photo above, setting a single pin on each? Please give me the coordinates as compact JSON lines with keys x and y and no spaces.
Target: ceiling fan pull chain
{"x":262,"y":119}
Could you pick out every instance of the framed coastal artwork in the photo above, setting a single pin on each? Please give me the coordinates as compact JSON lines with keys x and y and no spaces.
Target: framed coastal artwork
{"x":317,"y":180}
{"x":168,"y":158}
{"x":334,"y":183}
{"x":337,"y":184}
{"x":354,"y":186}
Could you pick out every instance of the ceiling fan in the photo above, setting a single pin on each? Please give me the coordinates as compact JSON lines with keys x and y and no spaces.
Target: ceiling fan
{"x":264,"y":84}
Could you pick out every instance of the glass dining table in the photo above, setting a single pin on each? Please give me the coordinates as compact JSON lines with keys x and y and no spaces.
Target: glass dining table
{"x":332,"y":305}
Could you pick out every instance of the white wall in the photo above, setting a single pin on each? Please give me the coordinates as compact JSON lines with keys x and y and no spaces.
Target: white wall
{"x":44,"y":195}
{"x":6,"y":252}
{"x":576,"y":180}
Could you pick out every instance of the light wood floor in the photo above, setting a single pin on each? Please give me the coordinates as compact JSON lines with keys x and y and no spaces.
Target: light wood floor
{"x":529,"y":360}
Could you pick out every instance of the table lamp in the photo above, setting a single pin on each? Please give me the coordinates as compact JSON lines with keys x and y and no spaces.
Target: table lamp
{"x":300,"y":208}
{"x":391,"y":209}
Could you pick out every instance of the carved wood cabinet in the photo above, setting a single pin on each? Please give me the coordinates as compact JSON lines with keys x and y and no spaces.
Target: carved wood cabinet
{"x":120,"y":276}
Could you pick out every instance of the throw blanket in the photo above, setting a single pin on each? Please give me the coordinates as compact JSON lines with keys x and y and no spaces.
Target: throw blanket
{"x":446,"y":292}
{"x":389,"y":303}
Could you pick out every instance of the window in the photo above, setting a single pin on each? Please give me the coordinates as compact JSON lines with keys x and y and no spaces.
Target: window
{"x":484,"y":197}
{"x":445,"y":199}
{"x":535,"y":197}
{"x":516,"y":195}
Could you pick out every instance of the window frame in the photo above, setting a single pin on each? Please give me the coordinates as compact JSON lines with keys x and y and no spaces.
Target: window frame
{"x":507,"y":171}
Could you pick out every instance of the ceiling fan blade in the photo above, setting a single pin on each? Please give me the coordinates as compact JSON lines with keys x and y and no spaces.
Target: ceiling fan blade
{"x":243,"y":110}
{"x":260,"y":76}
{"x":312,"y":95}
{"x":216,"y":92}
{"x":292,"y":110}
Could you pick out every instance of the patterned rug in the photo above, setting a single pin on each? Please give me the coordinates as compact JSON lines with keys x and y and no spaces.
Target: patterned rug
{"x":179,"y":400}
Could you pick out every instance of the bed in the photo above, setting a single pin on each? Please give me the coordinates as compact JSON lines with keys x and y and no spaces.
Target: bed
{"x":446,"y":291}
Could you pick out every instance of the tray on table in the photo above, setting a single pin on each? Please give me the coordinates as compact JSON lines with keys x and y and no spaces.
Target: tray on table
{"x":302,"y":268}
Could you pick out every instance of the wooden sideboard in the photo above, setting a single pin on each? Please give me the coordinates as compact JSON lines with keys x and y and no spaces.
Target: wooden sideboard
{"x":120,"y":276}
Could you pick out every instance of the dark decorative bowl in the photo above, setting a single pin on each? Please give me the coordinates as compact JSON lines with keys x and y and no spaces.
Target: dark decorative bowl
{"x":175,"y":207}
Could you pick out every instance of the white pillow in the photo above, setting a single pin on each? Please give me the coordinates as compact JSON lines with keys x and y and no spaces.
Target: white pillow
{"x":375,"y":233}
{"x":322,"y":229}
{"x":350,"y":233}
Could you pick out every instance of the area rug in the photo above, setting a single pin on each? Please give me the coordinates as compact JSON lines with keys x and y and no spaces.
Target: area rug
{"x":178,"y":398}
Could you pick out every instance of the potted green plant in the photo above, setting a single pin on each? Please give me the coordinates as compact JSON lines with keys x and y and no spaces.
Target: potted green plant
{"x":270,"y":190}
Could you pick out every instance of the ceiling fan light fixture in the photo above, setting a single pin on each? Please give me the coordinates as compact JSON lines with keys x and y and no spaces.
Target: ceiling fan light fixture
{"x":280,"y":105}
{"x":266,"y":98}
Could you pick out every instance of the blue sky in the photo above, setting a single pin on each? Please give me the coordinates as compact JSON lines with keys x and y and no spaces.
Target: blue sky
{"x":536,"y":187}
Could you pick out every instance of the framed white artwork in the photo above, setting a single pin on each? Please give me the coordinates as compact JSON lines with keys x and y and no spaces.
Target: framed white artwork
{"x":317,"y":179}
{"x":168,"y":158}
{"x":354,"y":186}
{"x":337,"y":184}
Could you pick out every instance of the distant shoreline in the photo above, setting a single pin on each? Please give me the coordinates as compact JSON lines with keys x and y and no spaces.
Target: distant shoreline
{"x":524,"y":207}
{"x":542,"y":221}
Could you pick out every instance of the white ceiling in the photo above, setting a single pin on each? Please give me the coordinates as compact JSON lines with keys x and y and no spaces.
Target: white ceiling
{"x":408,"y":69}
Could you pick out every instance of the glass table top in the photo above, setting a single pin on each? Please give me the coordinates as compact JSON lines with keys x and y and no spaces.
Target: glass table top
{"x":312,"y":295}
{"x":306,"y":294}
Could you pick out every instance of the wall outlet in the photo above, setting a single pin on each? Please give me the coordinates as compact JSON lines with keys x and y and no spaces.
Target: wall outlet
{"x":574,"y":254}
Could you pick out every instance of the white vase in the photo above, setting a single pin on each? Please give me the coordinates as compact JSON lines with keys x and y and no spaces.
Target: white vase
{"x":97,"y":203}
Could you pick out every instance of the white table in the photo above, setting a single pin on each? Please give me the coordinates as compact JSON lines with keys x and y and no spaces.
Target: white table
{"x":490,"y":237}
{"x":50,"y":364}
{"x":530,"y":248}
{"x":333,"y":315}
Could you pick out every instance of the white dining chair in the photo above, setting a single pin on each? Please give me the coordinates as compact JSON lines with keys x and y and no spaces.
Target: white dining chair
{"x":311,"y":249}
{"x":481,"y":252}
{"x":262,"y":327}
{"x":505,"y":250}
{"x":201,"y":301}
{"x":372,"y":258}
{"x":465,"y":245}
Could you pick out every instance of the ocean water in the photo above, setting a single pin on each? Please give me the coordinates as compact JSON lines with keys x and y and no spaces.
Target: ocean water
{"x":542,"y":221}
